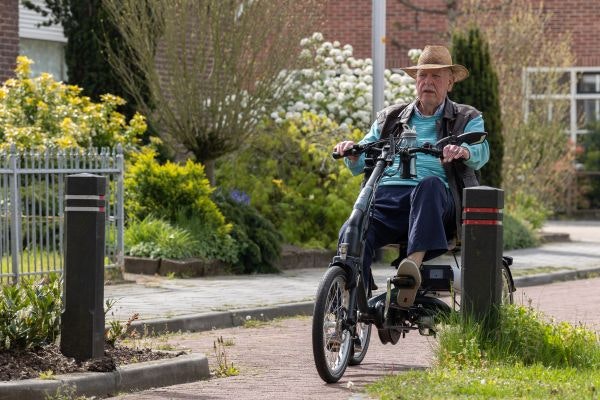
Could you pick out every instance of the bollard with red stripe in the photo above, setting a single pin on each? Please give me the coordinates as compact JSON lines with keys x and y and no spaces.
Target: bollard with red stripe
{"x":481,"y":254}
{"x":82,"y":322}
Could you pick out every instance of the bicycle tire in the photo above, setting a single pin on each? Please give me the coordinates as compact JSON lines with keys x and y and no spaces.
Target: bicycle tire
{"x":331,"y":343}
{"x":506,"y":294}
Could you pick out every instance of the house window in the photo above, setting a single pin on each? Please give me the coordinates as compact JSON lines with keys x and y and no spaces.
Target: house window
{"x":579,"y":87}
{"x":48,"y":57}
{"x":45,"y":45}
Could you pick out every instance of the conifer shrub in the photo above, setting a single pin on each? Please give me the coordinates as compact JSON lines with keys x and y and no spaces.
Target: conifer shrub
{"x":480,"y":90}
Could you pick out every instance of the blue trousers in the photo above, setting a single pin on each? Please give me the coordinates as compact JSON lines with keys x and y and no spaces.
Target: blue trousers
{"x":422,"y":216}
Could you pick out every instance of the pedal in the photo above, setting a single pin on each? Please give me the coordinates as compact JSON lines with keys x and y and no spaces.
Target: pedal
{"x":403,"y":281}
{"x":426,"y":325}
{"x":388,"y":298}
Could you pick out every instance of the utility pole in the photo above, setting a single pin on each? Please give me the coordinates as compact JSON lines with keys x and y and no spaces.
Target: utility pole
{"x":378,"y":54}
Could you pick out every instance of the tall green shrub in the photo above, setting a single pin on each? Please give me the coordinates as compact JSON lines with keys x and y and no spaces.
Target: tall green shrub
{"x":168,"y":189}
{"x":290,"y":177}
{"x":481,"y":91}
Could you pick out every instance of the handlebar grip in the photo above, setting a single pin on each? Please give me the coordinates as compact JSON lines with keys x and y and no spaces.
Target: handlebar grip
{"x":336,"y":155}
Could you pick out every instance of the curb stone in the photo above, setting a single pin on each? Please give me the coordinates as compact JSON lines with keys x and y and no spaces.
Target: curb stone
{"x":233,"y":318}
{"x":127,"y":378}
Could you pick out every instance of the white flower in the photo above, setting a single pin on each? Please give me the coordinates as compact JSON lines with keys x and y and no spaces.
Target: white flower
{"x":305,"y":53}
{"x":304,"y":42}
{"x":414,"y":54}
{"x":362,"y":86}
{"x":329,"y":62}
{"x":319,"y":96}
{"x":318,"y":36}
{"x":359,"y":102}
{"x":396,"y":78}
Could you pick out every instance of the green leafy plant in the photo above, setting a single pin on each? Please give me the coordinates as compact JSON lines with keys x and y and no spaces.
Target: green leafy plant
{"x":224,"y":367}
{"x":169,"y":189}
{"x":155,"y":238}
{"x":258,"y":241}
{"x":30,"y":313}
{"x":517,"y":234}
{"x":47,"y":375}
{"x":290,"y":177}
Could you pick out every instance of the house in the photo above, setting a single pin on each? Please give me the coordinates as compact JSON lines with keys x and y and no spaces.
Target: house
{"x":349,"y":21}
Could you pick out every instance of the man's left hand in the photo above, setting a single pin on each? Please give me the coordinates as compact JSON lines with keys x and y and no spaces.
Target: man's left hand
{"x":452,"y":152}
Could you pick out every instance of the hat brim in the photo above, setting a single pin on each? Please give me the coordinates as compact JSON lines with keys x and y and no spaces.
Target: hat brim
{"x":459,"y":72}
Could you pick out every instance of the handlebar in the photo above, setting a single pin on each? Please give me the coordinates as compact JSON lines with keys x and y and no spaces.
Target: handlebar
{"x":427,"y":148}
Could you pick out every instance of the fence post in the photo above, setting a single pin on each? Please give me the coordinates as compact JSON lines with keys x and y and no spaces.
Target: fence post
{"x":120,"y":211}
{"x":15,"y":212}
{"x":82,"y":323}
{"x":481,"y":255}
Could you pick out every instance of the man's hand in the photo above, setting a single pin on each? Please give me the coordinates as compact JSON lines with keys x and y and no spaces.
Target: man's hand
{"x":342,"y":147}
{"x":452,"y":152}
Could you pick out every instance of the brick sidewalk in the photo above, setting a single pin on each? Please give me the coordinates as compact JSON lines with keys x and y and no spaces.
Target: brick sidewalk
{"x":276,"y":361}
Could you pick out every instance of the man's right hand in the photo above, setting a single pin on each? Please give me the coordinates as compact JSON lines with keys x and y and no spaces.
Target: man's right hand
{"x":342,"y":147}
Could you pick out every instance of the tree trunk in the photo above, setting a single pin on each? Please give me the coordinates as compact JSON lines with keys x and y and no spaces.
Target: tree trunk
{"x":209,"y":170}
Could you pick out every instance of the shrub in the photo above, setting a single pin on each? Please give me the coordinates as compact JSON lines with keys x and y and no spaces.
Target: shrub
{"x":40,"y":112}
{"x":517,"y":234}
{"x":338,"y":86}
{"x":481,"y":92}
{"x":30,"y":313}
{"x":290,"y":177}
{"x":166,"y":190}
{"x":528,"y":208}
{"x":155,"y":238}
{"x":258,"y":241}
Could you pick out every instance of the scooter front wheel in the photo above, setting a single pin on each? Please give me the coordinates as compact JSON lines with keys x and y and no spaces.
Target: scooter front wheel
{"x":331,"y":339}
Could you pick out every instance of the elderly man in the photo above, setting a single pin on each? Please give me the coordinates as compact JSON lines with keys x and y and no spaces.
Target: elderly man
{"x":423,"y":211}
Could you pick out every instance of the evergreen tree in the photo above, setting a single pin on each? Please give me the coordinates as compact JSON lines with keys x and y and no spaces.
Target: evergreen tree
{"x":480,"y":90}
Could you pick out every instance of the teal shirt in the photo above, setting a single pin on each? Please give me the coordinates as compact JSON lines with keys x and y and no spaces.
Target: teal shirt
{"x":426,"y":165}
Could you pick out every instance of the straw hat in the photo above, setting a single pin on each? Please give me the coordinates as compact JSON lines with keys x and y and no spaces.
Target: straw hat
{"x":434,"y":57}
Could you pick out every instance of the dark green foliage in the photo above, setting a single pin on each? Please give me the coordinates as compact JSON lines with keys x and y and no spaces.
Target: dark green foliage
{"x":30,"y":313}
{"x":88,"y":30}
{"x":259,"y":240}
{"x":480,"y":90}
{"x":517,"y":235}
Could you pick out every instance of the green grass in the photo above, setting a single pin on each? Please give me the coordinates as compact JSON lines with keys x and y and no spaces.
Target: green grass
{"x":33,"y":261}
{"x":493,"y":382}
{"x":525,"y":356}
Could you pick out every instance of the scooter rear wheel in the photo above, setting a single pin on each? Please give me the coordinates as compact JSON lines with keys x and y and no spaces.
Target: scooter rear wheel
{"x":331,"y":339}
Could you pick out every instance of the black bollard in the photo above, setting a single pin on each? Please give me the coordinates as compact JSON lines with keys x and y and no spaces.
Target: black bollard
{"x":82,"y":323}
{"x":481,"y":255}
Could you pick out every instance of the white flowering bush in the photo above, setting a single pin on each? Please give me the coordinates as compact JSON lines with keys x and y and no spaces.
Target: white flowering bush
{"x":339,"y":86}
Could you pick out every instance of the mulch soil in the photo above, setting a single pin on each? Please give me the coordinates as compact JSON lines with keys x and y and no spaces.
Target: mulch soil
{"x":26,"y":364}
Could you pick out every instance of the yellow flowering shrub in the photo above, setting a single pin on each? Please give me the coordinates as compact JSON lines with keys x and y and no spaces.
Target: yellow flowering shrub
{"x":37,"y":113}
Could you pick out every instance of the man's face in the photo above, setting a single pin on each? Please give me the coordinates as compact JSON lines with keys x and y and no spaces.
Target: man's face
{"x":433,"y":85}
